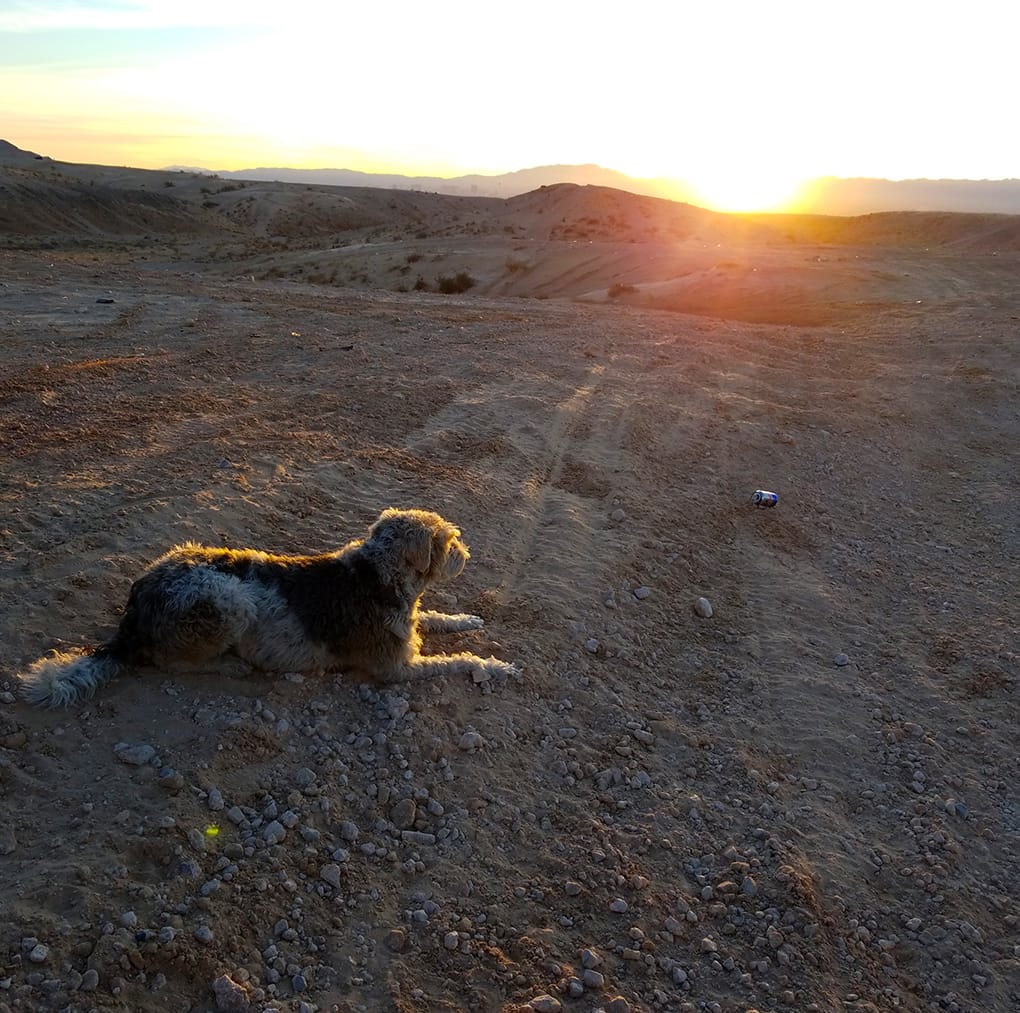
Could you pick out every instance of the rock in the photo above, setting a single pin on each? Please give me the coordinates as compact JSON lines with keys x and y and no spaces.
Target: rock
{"x":8,"y":842}
{"x":274,"y":833}
{"x":618,"y":905}
{"x":348,"y":831}
{"x":470,"y":741}
{"x":204,"y":934}
{"x":305,"y":777}
{"x":330,"y":874}
{"x":841,"y":660}
{"x":403,"y":814}
{"x":593,"y":978}
{"x":617,"y":516}
{"x":451,"y":940}
{"x":641,"y":593}
{"x":214,"y":800}
{"x":708,"y":945}
{"x":571,"y":888}
{"x":704,"y":608}
{"x":396,"y":940}
{"x":231,"y":996}
{"x":617,"y":1005}
{"x":417,"y":839}
{"x":136,"y":756}
{"x":90,"y":980}
{"x":546,"y":1004}
{"x":39,"y":953}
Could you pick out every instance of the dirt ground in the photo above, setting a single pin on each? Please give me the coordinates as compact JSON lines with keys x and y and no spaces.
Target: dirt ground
{"x":805,"y":802}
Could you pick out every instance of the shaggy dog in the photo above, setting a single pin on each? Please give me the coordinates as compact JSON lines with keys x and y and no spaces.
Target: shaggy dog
{"x":354,"y":610}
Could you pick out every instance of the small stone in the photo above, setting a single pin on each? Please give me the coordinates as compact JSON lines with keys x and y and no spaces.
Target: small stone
{"x":451,"y":940}
{"x":593,"y":978}
{"x":841,"y":660}
{"x":231,"y":996}
{"x":571,"y":888}
{"x":704,"y":608}
{"x":403,"y":814}
{"x":136,"y":756}
{"x":641,"y":593}
{"x":90,"y":980}
{"x":546,"y":1004}
{"x":305,"y":776}
{"x":591,"y":645}
{"x":618,"y":905}
{"x":417,"y":838}
{"x":129,"y":919}
{"x":330,"y":874}
{"x":470,"y":741}
{"x":197,"y":840}
{"x":590,"y":957}
{"x":617,"y":516}
{"x":575,"y":988}
{"x":348,"y":831}
{"x":214,"y":800}
{"x":708,"y":945}
{"x":8,"y":842}
{"x":618,"y":1004}
{"x":39,"y":953}
{"x":396,"y":940}
{"x":274,"y":833}
{"x":299,"y":983}
{"x":204,"y":934}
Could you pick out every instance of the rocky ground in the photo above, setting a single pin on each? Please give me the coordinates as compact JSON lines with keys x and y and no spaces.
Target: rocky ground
{"x":757,"y":759}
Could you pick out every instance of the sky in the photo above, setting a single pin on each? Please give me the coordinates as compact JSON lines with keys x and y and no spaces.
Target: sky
{"x":744,"y":101}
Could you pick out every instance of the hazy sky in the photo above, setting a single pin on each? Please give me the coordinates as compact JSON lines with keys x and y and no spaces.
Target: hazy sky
{"x":742,"y":99}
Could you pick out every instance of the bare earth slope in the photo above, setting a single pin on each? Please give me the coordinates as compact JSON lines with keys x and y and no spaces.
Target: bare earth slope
{"x":806,"y":802}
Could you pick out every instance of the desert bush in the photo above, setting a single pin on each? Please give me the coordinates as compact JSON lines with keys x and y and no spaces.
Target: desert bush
{"x":454,"y":284}
{"x":619,"y":288}
{"x":421,"y":285}
{"x":515,"y":264}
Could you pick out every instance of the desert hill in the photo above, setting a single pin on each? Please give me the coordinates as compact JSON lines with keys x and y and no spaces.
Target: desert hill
{"x":757,"y":759}
{"x":591,"y":243}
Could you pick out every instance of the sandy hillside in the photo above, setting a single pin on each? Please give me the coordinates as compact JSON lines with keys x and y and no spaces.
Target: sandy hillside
{"x":806,"y":802}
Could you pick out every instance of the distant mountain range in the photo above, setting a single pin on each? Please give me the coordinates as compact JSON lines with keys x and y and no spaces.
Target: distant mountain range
{"x":829,"y":195}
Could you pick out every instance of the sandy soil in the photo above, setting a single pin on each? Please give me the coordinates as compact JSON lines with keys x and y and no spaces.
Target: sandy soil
{"x":807,"y":802}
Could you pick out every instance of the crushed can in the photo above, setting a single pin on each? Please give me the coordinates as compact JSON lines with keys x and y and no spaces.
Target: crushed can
{"x":764,"y":499}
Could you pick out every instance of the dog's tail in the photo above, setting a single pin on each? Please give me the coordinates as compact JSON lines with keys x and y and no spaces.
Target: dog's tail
{"x":62,"y":679}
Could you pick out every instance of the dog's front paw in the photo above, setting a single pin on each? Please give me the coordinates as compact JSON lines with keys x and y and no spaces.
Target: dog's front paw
{"x":469,"y":622}
{"x":493,"y":668}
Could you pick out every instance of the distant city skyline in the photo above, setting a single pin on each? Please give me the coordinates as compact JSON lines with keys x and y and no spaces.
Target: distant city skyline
{"x":742,"y":101}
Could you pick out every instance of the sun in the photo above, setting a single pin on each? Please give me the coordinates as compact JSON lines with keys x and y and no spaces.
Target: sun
{"x":745,"y":187}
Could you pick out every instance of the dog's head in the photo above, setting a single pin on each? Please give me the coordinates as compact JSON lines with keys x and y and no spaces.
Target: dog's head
{"x":423,"y":543}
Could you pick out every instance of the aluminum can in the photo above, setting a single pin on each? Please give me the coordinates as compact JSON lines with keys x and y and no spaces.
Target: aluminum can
{"x":764,"y":499}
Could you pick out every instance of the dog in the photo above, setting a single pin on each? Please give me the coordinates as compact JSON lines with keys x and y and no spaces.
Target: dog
{"x":354,"y":611}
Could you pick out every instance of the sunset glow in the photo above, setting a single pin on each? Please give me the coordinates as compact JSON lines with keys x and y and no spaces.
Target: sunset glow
{"x":741,"y":101}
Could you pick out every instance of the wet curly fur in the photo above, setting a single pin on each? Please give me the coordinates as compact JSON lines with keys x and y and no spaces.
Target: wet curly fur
{"x":354,"y":610}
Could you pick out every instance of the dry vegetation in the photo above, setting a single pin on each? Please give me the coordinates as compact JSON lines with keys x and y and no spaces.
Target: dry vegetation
{"x":807,"y":802}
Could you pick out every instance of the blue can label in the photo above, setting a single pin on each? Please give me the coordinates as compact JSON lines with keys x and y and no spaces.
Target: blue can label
{"x":764,"y":498}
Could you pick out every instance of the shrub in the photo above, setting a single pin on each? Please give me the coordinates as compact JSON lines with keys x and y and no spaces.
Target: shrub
{"x":421,"y":285}
{"x":451,"y":285}
{"x":619,"y":288}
